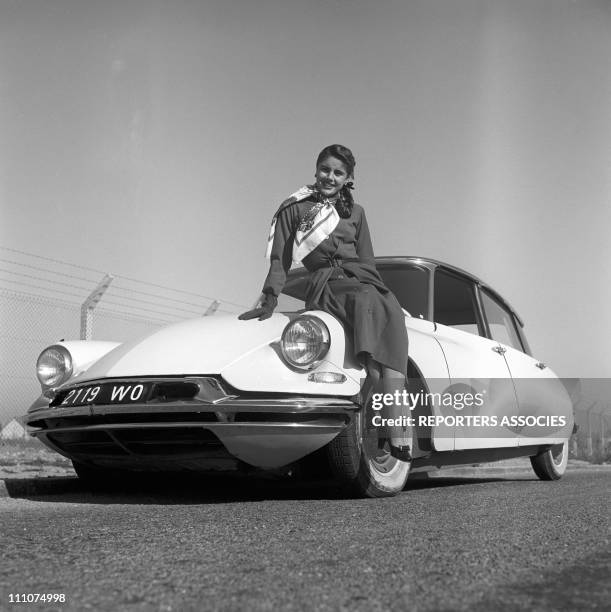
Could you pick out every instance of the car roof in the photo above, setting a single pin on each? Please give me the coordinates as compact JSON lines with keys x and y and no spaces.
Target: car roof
{"x":431,"y":264}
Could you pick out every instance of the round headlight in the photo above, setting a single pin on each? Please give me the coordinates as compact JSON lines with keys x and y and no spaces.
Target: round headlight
{"x":54,"y":366}
{"x":305,"y":341}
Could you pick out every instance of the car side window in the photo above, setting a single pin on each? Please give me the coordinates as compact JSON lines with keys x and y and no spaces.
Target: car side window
{"x":410,"y":284}
{"x":500,"y":322}
{"x":455,"y":303}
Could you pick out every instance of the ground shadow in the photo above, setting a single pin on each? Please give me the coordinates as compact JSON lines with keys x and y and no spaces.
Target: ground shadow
{"x":189,"y":489}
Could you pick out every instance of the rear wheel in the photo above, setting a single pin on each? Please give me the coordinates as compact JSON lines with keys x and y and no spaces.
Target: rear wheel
{"x":360,"y":458}
{"x":551,"y":464}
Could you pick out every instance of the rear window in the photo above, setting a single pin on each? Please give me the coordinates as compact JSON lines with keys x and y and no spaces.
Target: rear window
{"x":500,"y":322}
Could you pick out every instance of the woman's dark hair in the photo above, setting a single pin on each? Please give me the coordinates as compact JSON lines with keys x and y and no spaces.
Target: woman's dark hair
{"x":344,"y":154}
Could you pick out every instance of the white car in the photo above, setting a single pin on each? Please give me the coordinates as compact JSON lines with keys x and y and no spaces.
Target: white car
{"x":217,"y":393}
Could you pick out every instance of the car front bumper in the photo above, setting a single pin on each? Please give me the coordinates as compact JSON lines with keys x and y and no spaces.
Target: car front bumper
{"x":265,"y":432}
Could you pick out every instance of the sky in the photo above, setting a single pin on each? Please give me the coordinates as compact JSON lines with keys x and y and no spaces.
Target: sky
{"x":156,"y":139}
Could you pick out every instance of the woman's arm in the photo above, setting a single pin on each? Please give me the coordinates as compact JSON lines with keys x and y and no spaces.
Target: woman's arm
{"x":281,"y":256}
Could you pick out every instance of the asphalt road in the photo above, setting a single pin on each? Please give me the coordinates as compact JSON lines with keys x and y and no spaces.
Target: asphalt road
{"x":453,"y":544}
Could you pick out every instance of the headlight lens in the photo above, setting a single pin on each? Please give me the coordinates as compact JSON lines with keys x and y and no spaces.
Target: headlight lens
{"x":305,"y":341}
{"x":54,"y":366}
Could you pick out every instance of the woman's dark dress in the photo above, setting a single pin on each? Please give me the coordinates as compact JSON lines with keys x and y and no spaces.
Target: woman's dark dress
{"x":345,"y":283}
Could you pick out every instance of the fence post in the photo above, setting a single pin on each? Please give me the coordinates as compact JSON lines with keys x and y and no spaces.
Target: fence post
{"x":212,"y":308}
{"x":603,"y":435}
{"x":89,"y":305}
{"x":590,"y":442}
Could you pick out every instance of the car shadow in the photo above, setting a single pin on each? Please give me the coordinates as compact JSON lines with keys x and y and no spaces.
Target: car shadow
{"x":178,"y":490}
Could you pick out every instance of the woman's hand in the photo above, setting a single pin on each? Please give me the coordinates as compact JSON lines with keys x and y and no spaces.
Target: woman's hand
{"x":270,"y":301}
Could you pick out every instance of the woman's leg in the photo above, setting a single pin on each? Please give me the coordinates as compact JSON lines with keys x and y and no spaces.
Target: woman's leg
{"x":374,"y":370}
{"x":384,"y":380}
{"x":371,"y":383}
{"x":393,"y":382}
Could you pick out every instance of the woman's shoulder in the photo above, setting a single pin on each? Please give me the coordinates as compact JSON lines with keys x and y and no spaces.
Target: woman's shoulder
{"x":303,"y":195}
{"x":297,"y":207}
{"x":358,"y":211}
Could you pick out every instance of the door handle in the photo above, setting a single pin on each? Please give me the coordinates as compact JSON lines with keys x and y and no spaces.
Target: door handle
{"x":540,"y":365}
{"x":499,"y":349}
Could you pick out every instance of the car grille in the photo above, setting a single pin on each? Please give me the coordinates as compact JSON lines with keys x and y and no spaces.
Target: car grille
{"x":129,"y":417}
{"x":170,"y":441}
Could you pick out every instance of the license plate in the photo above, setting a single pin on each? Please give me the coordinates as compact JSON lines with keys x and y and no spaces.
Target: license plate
{"x":104,"y":393}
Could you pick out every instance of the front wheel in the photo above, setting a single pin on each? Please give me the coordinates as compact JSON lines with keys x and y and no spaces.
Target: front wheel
{"x":360,"y":459}
{"x":551,"y":464}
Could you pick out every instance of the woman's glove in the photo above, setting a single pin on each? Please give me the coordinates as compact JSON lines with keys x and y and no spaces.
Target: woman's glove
{"x":270,"y":301}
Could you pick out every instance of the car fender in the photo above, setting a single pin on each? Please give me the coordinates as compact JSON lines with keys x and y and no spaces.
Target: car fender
{"x":264,"y":369}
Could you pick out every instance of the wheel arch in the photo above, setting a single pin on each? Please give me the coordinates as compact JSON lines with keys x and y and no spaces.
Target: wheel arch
{"x":422,"y":434}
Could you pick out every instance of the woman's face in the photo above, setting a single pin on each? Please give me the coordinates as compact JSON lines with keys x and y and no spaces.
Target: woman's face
{"x":331,"y":174}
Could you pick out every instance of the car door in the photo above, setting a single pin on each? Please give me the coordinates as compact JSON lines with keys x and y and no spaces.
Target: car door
{"x":538,"y":390}
{"x":475,"y":364}
{"x":411,"y":284}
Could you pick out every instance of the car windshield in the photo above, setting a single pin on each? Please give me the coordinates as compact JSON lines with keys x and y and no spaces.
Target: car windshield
{"x":408,"y":282}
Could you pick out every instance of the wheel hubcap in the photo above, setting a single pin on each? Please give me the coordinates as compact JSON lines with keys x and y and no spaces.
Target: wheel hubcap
{"x":375,"y":444}
{"x":557,"y":453}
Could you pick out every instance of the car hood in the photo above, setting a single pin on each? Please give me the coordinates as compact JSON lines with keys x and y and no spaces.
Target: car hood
{"x":206,"y":345}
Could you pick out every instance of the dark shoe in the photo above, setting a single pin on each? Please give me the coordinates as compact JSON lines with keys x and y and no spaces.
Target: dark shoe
{"x":402,"y":453}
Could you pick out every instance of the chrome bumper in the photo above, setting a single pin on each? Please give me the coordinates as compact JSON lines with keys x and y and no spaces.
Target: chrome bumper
{"x":263,"y":432}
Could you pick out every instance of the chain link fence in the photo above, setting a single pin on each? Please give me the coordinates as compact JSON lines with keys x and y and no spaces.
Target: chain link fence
{"x":592,"y":440}
{"x":28,"y":324}
{"x":44,"y":300}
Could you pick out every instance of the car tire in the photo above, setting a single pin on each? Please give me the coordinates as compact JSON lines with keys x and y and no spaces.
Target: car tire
{"x":551,"y":463}
{"x":360,"y":460}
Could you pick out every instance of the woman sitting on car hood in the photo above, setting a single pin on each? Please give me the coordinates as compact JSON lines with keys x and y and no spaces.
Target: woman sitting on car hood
{"x":322,"y":227}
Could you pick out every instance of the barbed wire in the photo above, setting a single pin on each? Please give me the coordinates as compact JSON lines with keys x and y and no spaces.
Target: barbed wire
{"x":122,"y":305}
{"x":121,"y":297}
{"x":79,"y":297}
{"x":207,"y":297}
{"x":50,"y":300}
{"x":88,"y":269}
{"x":45,"y":280}
{"x":39,"y":269}
{"x":108,"y":293}
{"x":128,"y":316}
{"x":161,"y":297}
{"x":24,"y":296}
{"x":58,"y":261}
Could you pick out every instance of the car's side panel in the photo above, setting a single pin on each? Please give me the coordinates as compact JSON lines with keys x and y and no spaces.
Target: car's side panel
{"x":426,"y":353}
{"x":476,"y":367}
{"x":540,"y":393}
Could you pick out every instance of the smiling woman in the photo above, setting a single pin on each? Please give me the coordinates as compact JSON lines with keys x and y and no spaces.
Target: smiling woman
{"x":321,"y":226}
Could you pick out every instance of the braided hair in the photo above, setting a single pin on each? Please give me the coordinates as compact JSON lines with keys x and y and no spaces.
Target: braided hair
{"x":345,"y":201}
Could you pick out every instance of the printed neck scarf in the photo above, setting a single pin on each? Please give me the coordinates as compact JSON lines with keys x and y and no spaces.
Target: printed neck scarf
{"x":316,"y":225}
